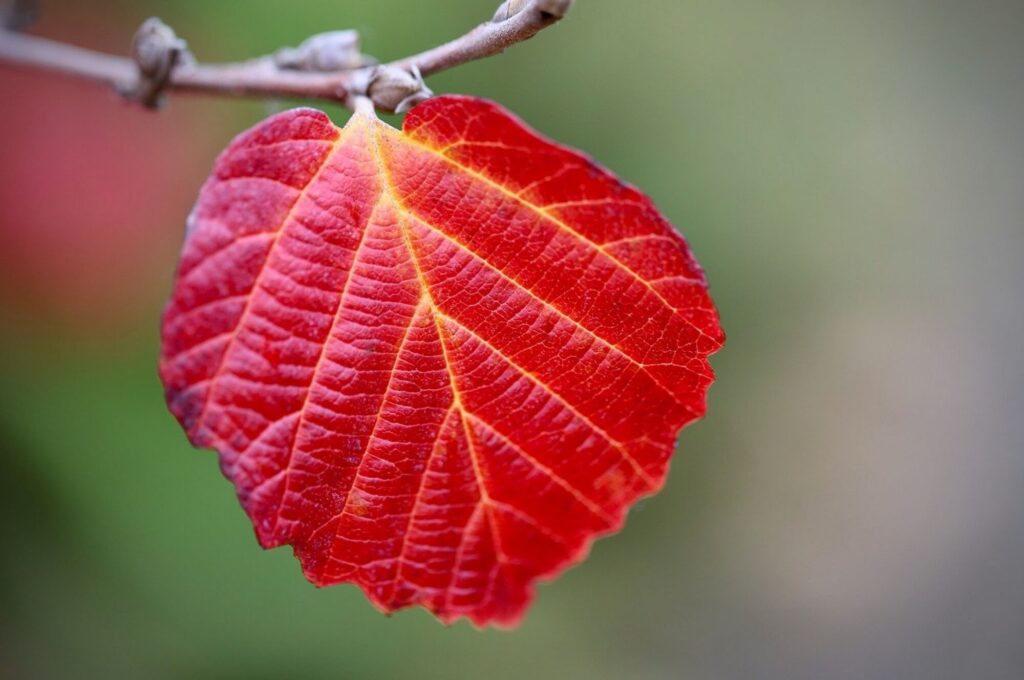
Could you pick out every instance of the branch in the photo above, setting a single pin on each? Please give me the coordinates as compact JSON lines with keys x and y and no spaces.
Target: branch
{"x":514,"y":22}
{"x":160,"y":62}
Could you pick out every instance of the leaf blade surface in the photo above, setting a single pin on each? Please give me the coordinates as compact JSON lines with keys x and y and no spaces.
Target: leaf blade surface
{"x":437,"y":362}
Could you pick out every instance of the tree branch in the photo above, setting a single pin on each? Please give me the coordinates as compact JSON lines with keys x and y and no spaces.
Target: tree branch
{"x":390,"y":87}
{"x":514,"y":22}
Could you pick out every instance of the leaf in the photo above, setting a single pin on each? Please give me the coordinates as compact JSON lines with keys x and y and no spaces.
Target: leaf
{"x":437,"y":362}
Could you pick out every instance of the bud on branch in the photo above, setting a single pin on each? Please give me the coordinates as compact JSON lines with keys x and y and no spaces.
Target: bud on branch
{"x":156,"y":50}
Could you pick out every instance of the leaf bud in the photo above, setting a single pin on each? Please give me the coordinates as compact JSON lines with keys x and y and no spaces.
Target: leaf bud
{"x":395,"y":89}
{"x":156,"y":50}
{"x":331,"y":51}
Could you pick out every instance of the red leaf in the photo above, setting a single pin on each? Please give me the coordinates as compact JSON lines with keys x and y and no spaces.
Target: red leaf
{"x":437,"y":362}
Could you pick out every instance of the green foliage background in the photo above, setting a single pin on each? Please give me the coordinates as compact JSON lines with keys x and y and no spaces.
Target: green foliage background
{"x":849,"y":174}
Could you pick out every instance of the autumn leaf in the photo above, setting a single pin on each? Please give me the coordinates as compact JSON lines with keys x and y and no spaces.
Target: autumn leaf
{"x":437,"y":362}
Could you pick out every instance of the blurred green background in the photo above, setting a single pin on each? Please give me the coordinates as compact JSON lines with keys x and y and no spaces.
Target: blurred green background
{"x":850,"y":174}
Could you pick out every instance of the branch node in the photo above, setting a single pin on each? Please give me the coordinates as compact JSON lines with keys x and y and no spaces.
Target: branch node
{"x":324,"y":52}
{"x":156,"y":51}
{"x":394,"y":89}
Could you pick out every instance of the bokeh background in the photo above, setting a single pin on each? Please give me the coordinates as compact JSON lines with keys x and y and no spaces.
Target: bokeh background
{"x":851,"y":175}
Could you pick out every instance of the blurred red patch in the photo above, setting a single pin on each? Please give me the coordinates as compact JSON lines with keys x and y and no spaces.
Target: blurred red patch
{"x":92,"y":193}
